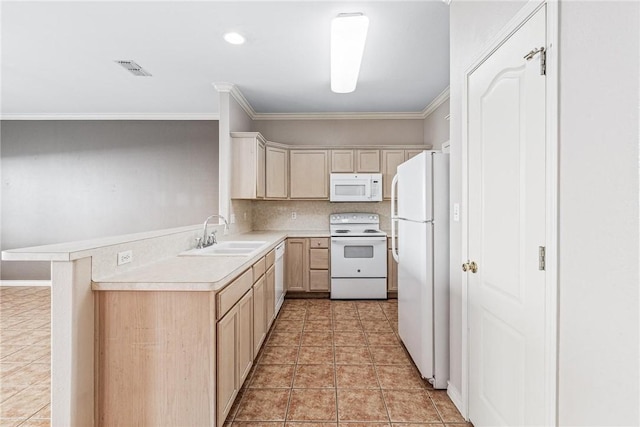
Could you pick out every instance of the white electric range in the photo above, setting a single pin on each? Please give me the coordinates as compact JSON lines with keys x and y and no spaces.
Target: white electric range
{"x":358,"y":256}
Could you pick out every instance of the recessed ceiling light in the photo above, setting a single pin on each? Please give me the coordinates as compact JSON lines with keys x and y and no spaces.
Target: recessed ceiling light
{"x":234,"y":38}
{"x":348,"y":37}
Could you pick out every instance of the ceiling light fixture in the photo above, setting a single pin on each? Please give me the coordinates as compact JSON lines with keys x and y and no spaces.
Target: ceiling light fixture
{"x":234,"y":38}
{"x":348,"y":36}
{"x":133,"y":67}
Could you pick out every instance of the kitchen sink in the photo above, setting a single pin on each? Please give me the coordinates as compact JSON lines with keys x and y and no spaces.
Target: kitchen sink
{"x":228,"y":248}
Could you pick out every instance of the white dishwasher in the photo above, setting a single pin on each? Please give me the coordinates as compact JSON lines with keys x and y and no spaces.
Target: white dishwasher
{"x":279,"y":299}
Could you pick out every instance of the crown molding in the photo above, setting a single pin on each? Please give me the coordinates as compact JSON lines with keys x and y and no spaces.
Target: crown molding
{"x":124,"y":116}
{"x":339,"y":116}
{"x":433,"y":105}
{"x":237,"y":95}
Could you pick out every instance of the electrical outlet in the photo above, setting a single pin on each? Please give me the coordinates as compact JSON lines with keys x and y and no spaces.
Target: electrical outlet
{"x":294,"y":215}
{"x":233,"y":218}
{"x":125,"y":257}
{"x":244,"y":215}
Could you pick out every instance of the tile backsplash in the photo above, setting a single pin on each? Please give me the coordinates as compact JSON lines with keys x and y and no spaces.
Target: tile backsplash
{"x":310,"y":214}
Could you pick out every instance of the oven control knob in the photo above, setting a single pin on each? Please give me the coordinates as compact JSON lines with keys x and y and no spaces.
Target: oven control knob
{"x":354,"y":217}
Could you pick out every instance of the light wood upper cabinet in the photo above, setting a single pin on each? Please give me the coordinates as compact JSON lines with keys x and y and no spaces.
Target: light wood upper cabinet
{"x":277,"y":173}
{"x":390,"y":161}
{"x":411,"y":153}
{"x":309,"y":174}
{"x":297,"y":265}
{"x":368,"y":161}
{"x":342,"y":161}
{"x":248,"y":166}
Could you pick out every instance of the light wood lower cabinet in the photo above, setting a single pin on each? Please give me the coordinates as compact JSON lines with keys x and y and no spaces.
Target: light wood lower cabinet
{"x":235,"y":353}
{"x":392,"y":273}
{"x":307,"y":266}
{"x":227,"y":366}
{"x":297,"y":265}
{"x":259,"y":314}
{"x":270,"y":291}
{"x":319,"y":280}
{"x":153,"y":348}
{"x":245,"y":336}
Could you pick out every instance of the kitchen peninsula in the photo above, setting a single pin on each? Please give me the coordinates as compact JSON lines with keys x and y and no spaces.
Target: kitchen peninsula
{"x":141,"y":343}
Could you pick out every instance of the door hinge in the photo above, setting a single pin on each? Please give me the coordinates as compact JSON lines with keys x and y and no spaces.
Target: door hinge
{"x":541,"y":258}
{"x":543,"y":58}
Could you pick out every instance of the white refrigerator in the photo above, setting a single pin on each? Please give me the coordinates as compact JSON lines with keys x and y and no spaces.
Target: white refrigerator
{"x":421,"y":220}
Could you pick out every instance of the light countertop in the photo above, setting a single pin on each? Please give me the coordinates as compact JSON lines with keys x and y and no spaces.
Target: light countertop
{"x":197,"y":273}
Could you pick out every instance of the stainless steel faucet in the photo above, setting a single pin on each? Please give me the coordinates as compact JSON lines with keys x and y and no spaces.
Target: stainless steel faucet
{"x":209,"y":240}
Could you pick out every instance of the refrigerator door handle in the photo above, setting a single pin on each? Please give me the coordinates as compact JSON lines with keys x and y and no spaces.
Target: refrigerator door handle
{"x":394,"y":218}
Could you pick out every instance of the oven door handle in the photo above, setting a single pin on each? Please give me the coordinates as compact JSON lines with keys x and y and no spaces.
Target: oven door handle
{"x":394,"y":218}
{"x":357,"y":241}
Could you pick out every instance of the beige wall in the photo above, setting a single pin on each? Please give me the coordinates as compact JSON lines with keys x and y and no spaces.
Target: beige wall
{"x":342,"y":132}
{"x":436,"y":126}
{"x":75,"y":180}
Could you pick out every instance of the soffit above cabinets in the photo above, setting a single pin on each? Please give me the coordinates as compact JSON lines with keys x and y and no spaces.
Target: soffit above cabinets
{"x":58,"y":57}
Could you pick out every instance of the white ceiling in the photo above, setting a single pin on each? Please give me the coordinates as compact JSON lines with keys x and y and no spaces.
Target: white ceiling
{"x":57,"y":57}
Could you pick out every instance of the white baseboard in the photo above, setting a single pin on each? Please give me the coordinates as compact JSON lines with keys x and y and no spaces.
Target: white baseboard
{"x":456,"y":397}
{"x":25,"y":282}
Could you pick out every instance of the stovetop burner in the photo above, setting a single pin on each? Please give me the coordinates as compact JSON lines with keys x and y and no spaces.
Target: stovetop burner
{"x":342,"y":231}
{"x":369,"y":230}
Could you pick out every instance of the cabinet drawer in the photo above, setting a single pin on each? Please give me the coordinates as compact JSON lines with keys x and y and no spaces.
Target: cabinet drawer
{"x":232,"y":293}
{"x":258,"y":269}
{"x":270,"y":258}
{"x":319,"y":259}
{"x":319,"y":280}
{"x":319,"y":242}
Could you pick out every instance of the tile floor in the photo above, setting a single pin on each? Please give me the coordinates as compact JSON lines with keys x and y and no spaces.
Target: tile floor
{"x":324,"y":362}
{"x":25,"y":356}
{"x":336,"y":362}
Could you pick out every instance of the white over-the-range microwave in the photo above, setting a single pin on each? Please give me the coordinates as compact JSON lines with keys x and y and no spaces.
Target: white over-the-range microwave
{"x":356,"y":187}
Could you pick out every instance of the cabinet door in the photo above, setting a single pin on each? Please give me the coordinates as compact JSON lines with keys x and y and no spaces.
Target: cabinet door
{"x":411,"y":153}
{"x":260,"y":170}
{"x":245,"y":336}
{"x":309,"y":174}
{"x":390,"y":161}
{"x":319,"y":281}
{"x":297,"y":265}
{"x":259,"y":314}
{"x":277,"y":173}
{"x":227,"y":368}
{"x":270,"y":292}
{"x":392,"y":273}
{"x":342,"y":161}
{"x":368,"y":161}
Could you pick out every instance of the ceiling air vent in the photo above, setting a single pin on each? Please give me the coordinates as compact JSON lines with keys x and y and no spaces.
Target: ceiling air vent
{"x":134,"y":68}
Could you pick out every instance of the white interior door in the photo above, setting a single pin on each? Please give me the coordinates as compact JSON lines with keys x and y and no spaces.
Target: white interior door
{"x":506,"y":202}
